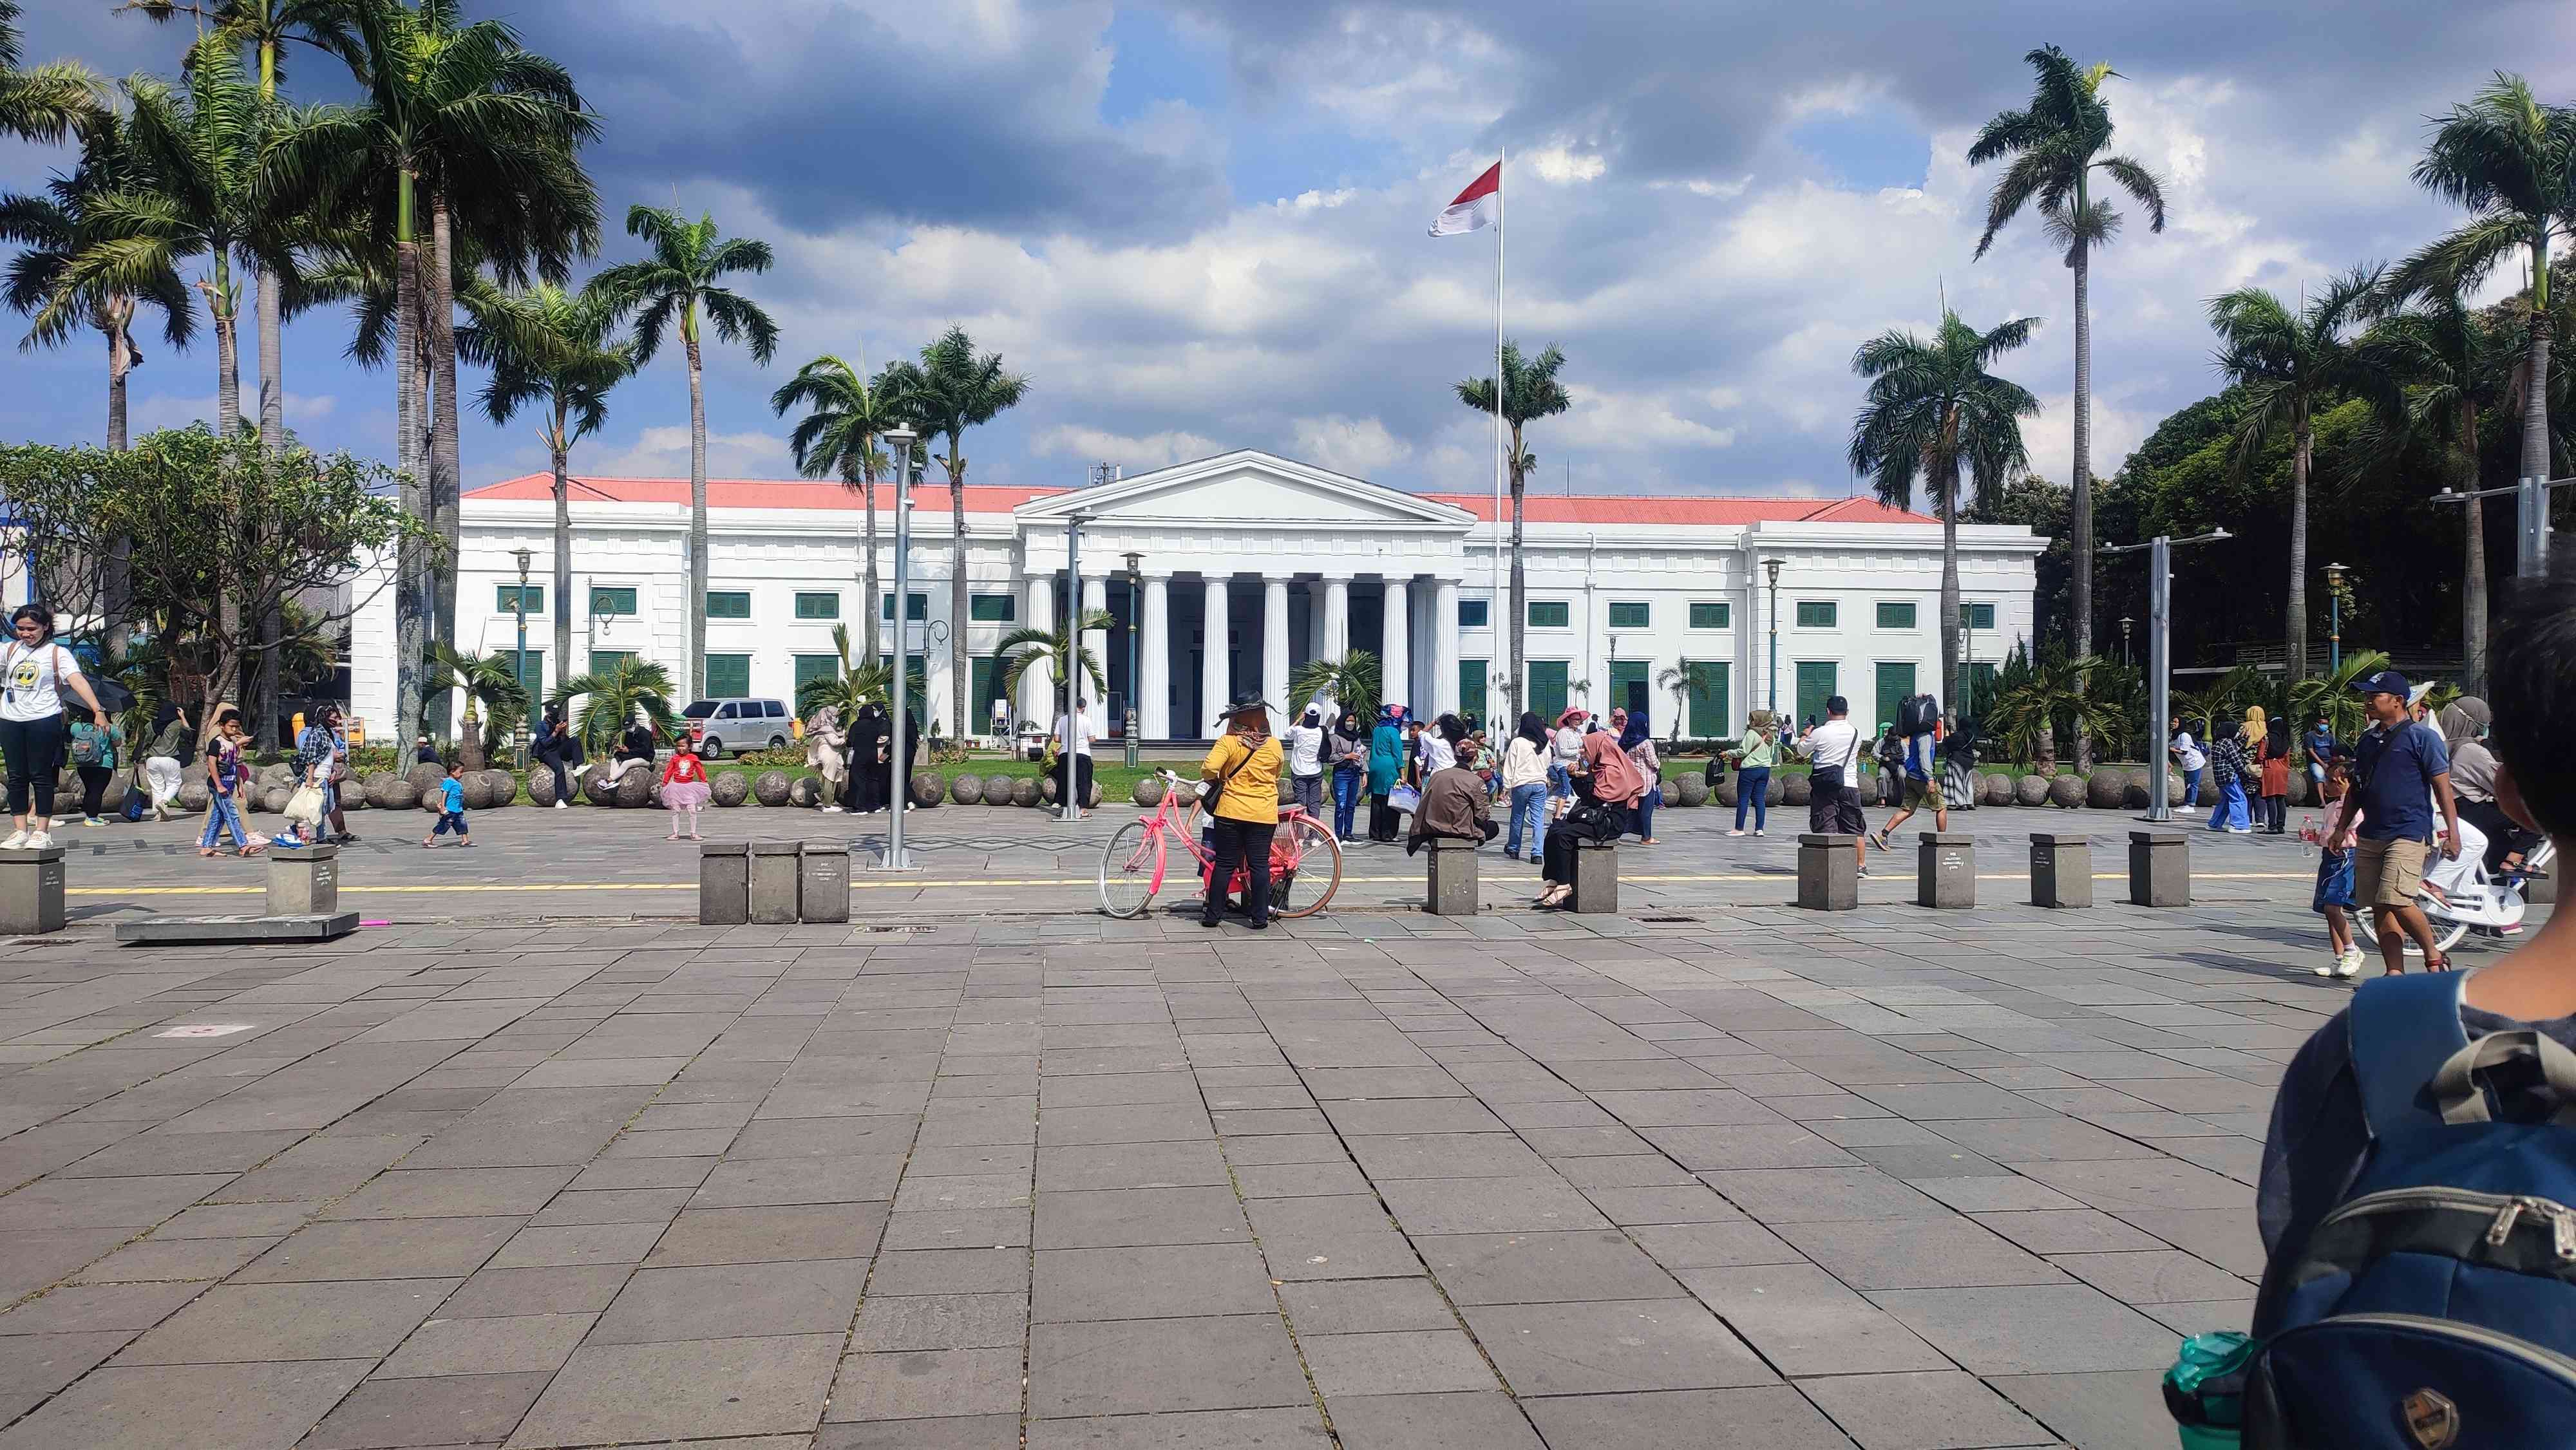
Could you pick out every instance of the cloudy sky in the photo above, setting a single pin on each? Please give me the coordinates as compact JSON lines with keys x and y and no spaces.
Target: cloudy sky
{"x":1200,"y":225}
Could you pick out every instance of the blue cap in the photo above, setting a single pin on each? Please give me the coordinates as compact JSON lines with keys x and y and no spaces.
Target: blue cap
{"x":2386,"y":682}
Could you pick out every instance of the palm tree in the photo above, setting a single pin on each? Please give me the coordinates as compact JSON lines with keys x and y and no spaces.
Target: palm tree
{"x":684,"y":278}
{"x":2056,"y":146}
{"x":42,"y":103}
{"x":2289,"y":365}
{"x":1690,"y":677}
{"x":1025,"y":649}
{"x":1933,"y":408}
{"x":2332,"y":694}
{"x":859,"y":683}
{"x":549,"y":348}
{"x":2512,"y":162}
{"x":838,"y":439}
{"x":493,"y":692}
{"x":1351,"y":682}
{"x":1530,"y":392}
{"x":613,"y":697}
{"x":2058,"y":693}
{"x":953,"y":389}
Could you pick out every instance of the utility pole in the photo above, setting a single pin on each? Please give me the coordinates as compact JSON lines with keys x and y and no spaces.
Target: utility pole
{"x":2159,"y":552}
{"x":899,"y":441}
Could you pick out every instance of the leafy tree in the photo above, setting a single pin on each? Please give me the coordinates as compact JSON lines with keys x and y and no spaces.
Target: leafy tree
{"x":41,"y":103}
{"x":612,"y":698}
{"x":1530,"y":392}
{"x":682,"y":281}
{"x":1351,"y":682}
{"x":2056,"y":145}
{"x":495,"y":699}
{"x":837,"y":438}
{"x":1933,"y":410}
{"x":2058,"y":695}
{"x":952,"y":389}
{"x":2289,"y":365}
{"x":2333,"y":694}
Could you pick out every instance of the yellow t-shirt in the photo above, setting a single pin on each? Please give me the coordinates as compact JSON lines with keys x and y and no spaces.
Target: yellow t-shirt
{"x":1252,"y":792}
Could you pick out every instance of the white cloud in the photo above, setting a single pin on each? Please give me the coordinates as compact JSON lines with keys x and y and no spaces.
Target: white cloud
{"x":1559,"y":165}
{"x":1359,"y":447}
{"x":1133,"y":453}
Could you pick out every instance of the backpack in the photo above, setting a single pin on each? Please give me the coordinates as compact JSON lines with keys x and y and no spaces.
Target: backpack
{"x":1917,"y":714}
{"x":84,"y":746}
{"x":2439,"y":1298}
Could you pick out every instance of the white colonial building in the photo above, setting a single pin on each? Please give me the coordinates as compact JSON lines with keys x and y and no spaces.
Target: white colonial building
{"x":1247,"y":565}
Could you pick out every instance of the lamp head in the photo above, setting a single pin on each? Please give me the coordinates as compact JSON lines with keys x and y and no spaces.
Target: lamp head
{"x":522,"y":555}
{"x":1772,"y":567}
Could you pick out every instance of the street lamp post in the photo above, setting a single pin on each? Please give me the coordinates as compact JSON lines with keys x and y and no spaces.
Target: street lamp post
{"x":899,"y":443}
{"x":2530,"y":519}
{"x":2334,"y":616}
{"x":2159,"y":552}
{"x":1135,"y":622}
{"x":1068,"y":808}
{"x":519,"y":661}
{"x":2127,"y":622}
{"x":1772,"y":567}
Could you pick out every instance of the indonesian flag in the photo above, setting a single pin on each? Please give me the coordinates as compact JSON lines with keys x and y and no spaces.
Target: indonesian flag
{"x":1476,"y":208}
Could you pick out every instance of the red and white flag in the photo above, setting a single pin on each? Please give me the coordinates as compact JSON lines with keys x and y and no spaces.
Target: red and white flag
{"x":1476,"y":208}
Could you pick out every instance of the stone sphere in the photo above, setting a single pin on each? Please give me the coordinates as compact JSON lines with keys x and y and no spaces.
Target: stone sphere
{"x":277,"y":772}
{"x":929,"y":788}
{"x":2066,"y":792}
{"x":387,"y":791}
{"x":2031,"y":790}
{"x":505,"y":788}
{"x":966,"y":790}
{"x":596,"y":789}
{"x":2303,"y":789}
{"x":353,"y":797}
{"x":2107,"y":789}
{"x":192,"y":793}
{"x":1149,"y":791}
{"x":113,"y":797}
{"x":635,"y":788}
{"x":424,"y":777}
{"x":1688,"y":790}
{"x":1729,"y":791}
{"x":805,"y":791}
{"x":770,"y":788}
{"x":1000,"y":790}
{"x":1287,"y":788}
{"x":1794,"y":790}
{"x":1024,"y":792}
{"x":478,"y":791}
{"x":1091,"y":798}
{"x":1048,"y":789}
{"x":541,"y":788}
{"x":729,"y":789}
{"x":2133,"y":796}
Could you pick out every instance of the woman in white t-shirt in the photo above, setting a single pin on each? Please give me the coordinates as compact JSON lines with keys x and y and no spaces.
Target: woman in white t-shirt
{"x":35,"y":674}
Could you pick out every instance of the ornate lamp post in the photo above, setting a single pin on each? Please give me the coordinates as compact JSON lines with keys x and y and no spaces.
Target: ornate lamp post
{"x":1135,"y":622}
{"x":2126,"y":624}
{"x":1772,"y":567}
{"x":2334,"y":615}
{"x":519,"y":661}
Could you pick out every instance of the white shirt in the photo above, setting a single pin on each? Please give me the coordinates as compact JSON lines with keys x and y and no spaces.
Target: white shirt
{"x":1083,"y":735}
{"x":1569,"y":745}
{"x":1522,"y":764}
{"x":1834,"y":743}
{"x":1437,"y":753}
{"x":31,"y":678}
{"x":1305,"y":750}
{"x":1001,"y":713}
{"x":2186,"y":754}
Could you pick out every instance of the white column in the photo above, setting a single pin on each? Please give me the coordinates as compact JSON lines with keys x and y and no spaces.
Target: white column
{"x":1216,"y":687}
{"x":1395,"y":662}
{"x":1337,"y":618}
{"x":1154,"y":663}
{"x":1444,"y":644}
{"x":1274,"y":648}
{"x":1315,"y":623}
{"x":1095,"y":599}
{"x":1037,"y":687}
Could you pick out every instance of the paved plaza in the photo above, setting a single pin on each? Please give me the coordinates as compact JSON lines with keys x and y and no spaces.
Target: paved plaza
{"x":1717,"y":1172}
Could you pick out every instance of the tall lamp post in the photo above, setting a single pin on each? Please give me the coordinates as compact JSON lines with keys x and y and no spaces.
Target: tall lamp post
{"x":2530,"y":519}
{"x":2159,"y":552}
{"x":1135,"y":622}
{"x":2127,"y":622}
{"x":519,"y":661}
{"x":2334,"y":616}
{"x":1067,"y":807}
{"x":899,"y":443}
{"x":1772,"y":567}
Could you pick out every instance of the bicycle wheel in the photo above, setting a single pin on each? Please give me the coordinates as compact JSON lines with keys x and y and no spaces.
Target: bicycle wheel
{"x":1302,"y":889}
{"x":2447,"y":932}
{"x":1128,"y":865}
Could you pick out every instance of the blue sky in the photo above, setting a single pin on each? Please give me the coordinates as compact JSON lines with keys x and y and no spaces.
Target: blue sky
{"x":1200,"y":225}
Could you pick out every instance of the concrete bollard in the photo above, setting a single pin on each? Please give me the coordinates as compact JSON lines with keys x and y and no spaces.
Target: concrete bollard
{"x":303,"y":880}
{"x":1945,"y":871}
{"x":1596,"y":879}
{"x":2061,"y":869}
{"x":823,"y":886}
{"x":31,"y":890}
{"x":773,"y":883}
{"x":1451,"y":879}
{"x":1828,"y":873}
{"x":2159,"y":868}
{"x":724,"y":883}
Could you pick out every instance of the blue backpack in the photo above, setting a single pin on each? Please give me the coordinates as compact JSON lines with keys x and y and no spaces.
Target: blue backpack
{"x":2435,"y":1307}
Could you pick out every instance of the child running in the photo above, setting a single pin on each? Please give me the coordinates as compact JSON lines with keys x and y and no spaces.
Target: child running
{"x":451,"y":811}
{"x":684,"y":788}
{"x":2333,"y":899}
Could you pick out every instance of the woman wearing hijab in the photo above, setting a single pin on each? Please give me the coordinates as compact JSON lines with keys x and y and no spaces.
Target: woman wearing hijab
{"x":1385,"y":766}
{"x":1349,"y":747}
{"x":1607,"y":789}
{"x":1525,"y":770}
{"x":1240,"y":779}
{"x":2231,"y":764}
{"x":867,"y":788}
{"x":2464,"y":725}
{"x":1755,"y":754}
{"x":1637,"y":738}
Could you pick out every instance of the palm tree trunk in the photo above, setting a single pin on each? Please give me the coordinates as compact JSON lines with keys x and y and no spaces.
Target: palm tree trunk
{"x":2473,"y":571}
{"x":868,"y":561}
{"x":697,"y":521}
{"x":272,"y":366}
{"x":120,"y":361}
{"x":1950,"y":587}
{"x":116,"y":572}
{"x":438,"y":336}
{"x":1513,"y":692}
{"x":227,"y":359}
{"x":563,"y":552}
{"x":411,"y":566}
{"x":2297,"y":654}
{"x":957,"y":681}
{"x":2082,"y":603}
{"x":2535,"y":392}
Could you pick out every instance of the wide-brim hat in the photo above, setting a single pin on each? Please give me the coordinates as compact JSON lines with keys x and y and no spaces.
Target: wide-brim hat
{"x":1247,"y":702}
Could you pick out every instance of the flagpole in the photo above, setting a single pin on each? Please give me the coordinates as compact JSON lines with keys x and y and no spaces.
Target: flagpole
{"x":1494,"y":610}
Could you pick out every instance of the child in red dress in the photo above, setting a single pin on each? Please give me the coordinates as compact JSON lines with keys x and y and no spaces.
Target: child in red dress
{"x":684,"y":788}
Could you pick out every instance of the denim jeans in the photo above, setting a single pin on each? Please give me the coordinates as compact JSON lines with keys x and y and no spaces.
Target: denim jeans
{"x":2231,"y":813}
{"x":1642,"y":815}
{"x":2190,"y":788}
{"x":223,"y":813}
{"x":1753,"y":788}
{"x":1527,"y":802}
{"x":1346,"y":799}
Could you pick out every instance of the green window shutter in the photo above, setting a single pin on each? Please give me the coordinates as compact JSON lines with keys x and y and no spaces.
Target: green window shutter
{"x":1977,"y":616}
{"x":815,"y":667}
{"x":914,"y":678}
{"x":916,"y":607}
{"x":1816,"y":613}
{"x":1550,"y":614}
{"x":818,"y":604}
{"x":1709,"y":614}
{"x":1710,"y":702}
{"x":612,"y":601}
{"x":1893,"y":614}
{"x":1630,"y":614}
{"x":988,"y":608}
{"x":1471,"y":686}
{"x":728,"y":676}
{"x":1474,"y":613}
{"x":1547,"y":688}
{"x":1816,"y":684}
{"x":1628,"y":688}
{"x":728,"y":604}
{"x":506,"y":599}
{"x":604,"y":660}
{"x":983,"y":687}
{"x":1895,"y":682}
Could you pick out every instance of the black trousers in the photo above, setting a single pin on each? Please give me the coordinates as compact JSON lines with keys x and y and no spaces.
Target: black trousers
{"x":2276,"y":813}
{"x":35,"y":752}
{"x":93,"y":779}
{"x":1081,"y":780}
{"x":1245,"y":844}
{"x":1382,"y":818}
{"x":563,"y":781}
{"x":1556,"y":854}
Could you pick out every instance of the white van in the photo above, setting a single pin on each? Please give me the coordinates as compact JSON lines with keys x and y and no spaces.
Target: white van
{"x":740,"y":725}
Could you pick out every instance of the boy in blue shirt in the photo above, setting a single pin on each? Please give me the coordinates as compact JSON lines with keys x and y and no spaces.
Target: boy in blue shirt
{"x":1922,"y":786}
{"x":451,"y":811}
{"x":2400,"y":772}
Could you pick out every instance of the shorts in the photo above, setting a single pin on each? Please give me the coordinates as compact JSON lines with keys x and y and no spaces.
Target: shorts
{"x":2334,"y":882}
{"x":1923,"y":794}
{"x":2387,"y":873}
{"x":1835,"y":812}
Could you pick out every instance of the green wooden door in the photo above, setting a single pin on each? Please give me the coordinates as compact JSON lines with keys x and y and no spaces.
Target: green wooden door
{"x":1547,"y":688}
{"x":1895,"y":682}
{"x":1471,"y":689}
{"x":1816,"y":684}
{"x":1709,"y":705}
{"x":1629,"y":685}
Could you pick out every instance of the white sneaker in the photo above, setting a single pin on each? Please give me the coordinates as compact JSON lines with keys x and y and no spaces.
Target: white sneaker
{"x":17,"y":839}
{"x":1735,"y":833}
{"x":831,"y":810}
{"x":1757,"y":834}
{"x":2349,"y":964}
{"x":562,"y":805}
{"x":40,"y":841}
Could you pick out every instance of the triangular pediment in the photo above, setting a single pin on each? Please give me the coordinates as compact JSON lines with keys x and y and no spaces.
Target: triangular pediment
{"x":1247,"y":485}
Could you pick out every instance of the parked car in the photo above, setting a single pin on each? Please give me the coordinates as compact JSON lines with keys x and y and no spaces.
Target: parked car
{"x":740,"y":725}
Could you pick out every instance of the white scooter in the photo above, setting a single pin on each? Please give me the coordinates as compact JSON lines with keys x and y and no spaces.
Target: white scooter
{"x":2460,"y":897}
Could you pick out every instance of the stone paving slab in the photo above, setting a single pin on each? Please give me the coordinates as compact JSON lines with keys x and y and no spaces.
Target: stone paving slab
{"x":1880,"y":1180}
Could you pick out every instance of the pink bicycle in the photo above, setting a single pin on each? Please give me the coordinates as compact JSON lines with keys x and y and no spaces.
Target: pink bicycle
{"x":1305,"y":860}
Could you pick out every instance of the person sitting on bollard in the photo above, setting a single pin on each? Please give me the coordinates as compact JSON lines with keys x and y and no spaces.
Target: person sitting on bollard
{"x":1453,"y":806}
{"x":1607,"y":786}
{"x":827,"y":754}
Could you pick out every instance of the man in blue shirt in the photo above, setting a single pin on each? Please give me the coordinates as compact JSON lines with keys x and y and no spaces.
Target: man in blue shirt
{"x":2319,"y":743}
{"x":1922,"y":786}
{"x":2400,"y":772}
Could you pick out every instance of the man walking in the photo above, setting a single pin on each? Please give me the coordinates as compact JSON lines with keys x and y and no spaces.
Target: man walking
{"x":1833,"y":789}
{"x":2400,"y":772}
{"x":1922,"y":786}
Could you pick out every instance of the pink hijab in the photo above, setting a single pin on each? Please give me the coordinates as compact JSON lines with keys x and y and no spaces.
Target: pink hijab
{"x":1616,"y":779}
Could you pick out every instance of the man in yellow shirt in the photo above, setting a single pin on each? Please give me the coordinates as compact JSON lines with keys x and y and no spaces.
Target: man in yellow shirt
{"x":1240,"y":777}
